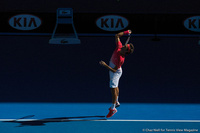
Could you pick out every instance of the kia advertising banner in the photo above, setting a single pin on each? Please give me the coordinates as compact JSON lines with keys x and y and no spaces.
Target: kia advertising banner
{"x":112,"y":23}
{"x":193,"y":23}
{"x":35,"y":23}
{"x":24,"y":22}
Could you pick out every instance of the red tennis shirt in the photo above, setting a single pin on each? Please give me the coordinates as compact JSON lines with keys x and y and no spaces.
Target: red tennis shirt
{"x":117,"y":58}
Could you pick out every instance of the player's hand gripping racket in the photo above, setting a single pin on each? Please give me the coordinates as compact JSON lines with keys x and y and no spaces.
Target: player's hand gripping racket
{"x":129,"y":36}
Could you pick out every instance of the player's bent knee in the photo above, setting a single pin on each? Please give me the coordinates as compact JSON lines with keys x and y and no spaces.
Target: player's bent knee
{"x":113,"y":88}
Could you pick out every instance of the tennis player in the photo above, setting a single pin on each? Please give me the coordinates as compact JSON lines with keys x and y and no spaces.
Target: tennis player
{"x":115,"y":70}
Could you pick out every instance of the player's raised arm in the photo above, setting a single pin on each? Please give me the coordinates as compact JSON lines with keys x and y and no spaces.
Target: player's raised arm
{"x":118,"y":35}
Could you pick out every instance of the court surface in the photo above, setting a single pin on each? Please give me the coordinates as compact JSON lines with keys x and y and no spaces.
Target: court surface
{"x":90,"y":118}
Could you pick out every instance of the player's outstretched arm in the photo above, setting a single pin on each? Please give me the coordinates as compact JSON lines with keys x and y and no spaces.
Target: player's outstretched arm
{"x":108,"y":67}
{"x":118,"y":35}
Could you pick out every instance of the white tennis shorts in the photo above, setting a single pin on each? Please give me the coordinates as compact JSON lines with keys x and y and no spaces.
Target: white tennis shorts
{"x":114,"y":77}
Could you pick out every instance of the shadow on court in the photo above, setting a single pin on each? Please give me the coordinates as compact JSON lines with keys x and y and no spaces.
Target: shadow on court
{"x":41,"y":122}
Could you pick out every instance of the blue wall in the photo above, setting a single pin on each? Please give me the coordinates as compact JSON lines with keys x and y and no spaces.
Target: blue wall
{"x":34,"y":71}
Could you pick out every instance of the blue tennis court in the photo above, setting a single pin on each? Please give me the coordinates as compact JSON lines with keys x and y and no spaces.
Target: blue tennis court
{"x":90,"y":118}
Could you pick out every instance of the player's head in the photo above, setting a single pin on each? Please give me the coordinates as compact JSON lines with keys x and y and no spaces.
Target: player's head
{"x":129,"y":48}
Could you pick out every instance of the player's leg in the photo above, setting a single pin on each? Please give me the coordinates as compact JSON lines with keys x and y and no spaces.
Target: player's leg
{"x":112,"y":109}
{"x":114,"y":81}
{"x":117,"y":89}
{"x":114,"y":97}
{"x":117,"y":104}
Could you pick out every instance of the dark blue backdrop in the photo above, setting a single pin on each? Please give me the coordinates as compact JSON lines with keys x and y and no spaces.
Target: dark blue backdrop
{"x":158,"y":71}
{"x":108,"y":6}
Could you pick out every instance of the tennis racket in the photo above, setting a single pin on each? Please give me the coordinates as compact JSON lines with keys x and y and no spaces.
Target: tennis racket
{"x":129,"y":36}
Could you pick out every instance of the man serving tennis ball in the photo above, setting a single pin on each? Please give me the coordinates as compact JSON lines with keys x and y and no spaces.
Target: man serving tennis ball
{"x":115,"y":70}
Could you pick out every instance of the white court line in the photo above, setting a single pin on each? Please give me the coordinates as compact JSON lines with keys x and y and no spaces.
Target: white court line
{"x":112,"y":120}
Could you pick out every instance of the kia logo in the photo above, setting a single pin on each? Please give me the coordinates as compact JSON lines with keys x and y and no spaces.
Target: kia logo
{"x":193,"y":23}
{"x":112,"y":23}
{"x":25,"y":22}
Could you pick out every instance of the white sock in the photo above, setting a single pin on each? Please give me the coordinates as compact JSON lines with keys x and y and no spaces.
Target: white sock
{"x":117,"y":99}
{"x":113,"y":106}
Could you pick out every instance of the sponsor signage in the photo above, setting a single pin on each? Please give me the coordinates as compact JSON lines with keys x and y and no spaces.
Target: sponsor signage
{"x":193,"y":23}
{"x":25,"y":22}
{"x":42,"y":22}
{"x":112,"y":23}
